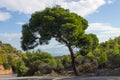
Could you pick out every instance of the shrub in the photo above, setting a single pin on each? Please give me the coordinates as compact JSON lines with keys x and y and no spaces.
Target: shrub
{"x":87,"y":67}
{"x":60,"y":66}
{"x":6,"y":65}
{"x":19,"y":67}
{"x":102,"y":60}
{"x":66,"y":61}
{"x":114,"y":60}
{"x":39,"y":63}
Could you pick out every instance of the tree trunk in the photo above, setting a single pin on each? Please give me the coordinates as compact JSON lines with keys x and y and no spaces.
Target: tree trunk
{"x":71,"y":54}
{"x":73,"y":60}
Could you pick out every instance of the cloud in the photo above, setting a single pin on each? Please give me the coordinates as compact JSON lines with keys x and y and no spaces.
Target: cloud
{"x":110,"y":1}
{"x":20,"y":23}
{"x":81,"y":7}
{"x":4,"y":16}
{"x":103,"y":31}
{"x":25,"y":6}
{"x":84,"y":7}
{"x":10,"y":36}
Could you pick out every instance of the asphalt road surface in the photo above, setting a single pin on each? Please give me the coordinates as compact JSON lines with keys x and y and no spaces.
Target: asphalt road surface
{"x":13,"y":77}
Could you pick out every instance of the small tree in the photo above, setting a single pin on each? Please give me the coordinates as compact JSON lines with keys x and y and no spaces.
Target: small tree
{"x":66,"y":27}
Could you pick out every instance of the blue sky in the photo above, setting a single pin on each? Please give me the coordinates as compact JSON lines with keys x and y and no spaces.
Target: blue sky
{"x":103,"y":17}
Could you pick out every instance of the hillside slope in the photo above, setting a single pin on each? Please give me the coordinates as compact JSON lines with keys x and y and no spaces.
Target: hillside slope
{"x":8,"y":54}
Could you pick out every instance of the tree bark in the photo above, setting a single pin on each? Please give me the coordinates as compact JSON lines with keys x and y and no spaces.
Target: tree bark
{"x":73,"y":60}
{"x":72,"y":56}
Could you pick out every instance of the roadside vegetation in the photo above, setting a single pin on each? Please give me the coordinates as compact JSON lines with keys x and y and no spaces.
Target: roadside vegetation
{"x":104,"y":60}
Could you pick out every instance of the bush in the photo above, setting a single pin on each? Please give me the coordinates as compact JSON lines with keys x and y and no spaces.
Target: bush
{"x":6,"y":65}
{"x":79,"y":59}
{"x":66,"y":61}
{"x":102,"y":60}
{"x":114,"y":60}
{"x":60,"y":66}
{"x":87,"y":64}
{"x":19,"y":67}
{"x":87,"y":67}
{"x":39,"y":63}
{"x":45,"y":68}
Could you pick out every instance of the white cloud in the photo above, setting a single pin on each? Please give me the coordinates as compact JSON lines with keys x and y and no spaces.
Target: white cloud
{"x":25,"y":6}
{"x":82,"y":7}
{"x":4,"y":16}
{"x":110,"y":1}
{"x":10,"y":36}
{"x":20,"y":23}
{"x":103,"y":31}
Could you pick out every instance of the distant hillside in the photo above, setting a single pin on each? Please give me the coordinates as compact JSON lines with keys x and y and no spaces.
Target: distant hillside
{"x":8,"y":56}
{"x":7,"y":48}
{"x":5,"y":51}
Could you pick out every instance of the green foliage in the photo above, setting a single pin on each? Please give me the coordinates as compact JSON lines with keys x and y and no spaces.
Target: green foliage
{"x":60,"y":66}
{"x":87,"y":65}
{"x":6,"y":66}
{"x":114,"y":61}
{"x":79,"y":59}
{"x":66,"y":27}
{"x":19,"y":67}
{"x":90,"y":55}
{"x":102,"y":60}
{"x":34,"y":67}
{"x":5,"y":51}
{"x":116,"y":50}
{"x":66,"y":61}
{"x":88,"y":43}
{"x":111,"y":48}
{"x":3,"y":57}
{"x":59,"y":23}
{"x":106,"y":55}
{"x":39,"y":62}
{"x":11,"y":58}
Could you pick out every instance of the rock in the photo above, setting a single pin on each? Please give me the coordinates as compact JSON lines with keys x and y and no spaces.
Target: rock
{"x":3,"y":71}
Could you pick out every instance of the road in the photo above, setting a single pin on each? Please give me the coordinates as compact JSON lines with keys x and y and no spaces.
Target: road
{"x":13,"y":77}
{"x":93,"y":78}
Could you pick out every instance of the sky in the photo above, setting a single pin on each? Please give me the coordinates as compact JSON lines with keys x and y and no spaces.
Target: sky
{"x":103,"y":17}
